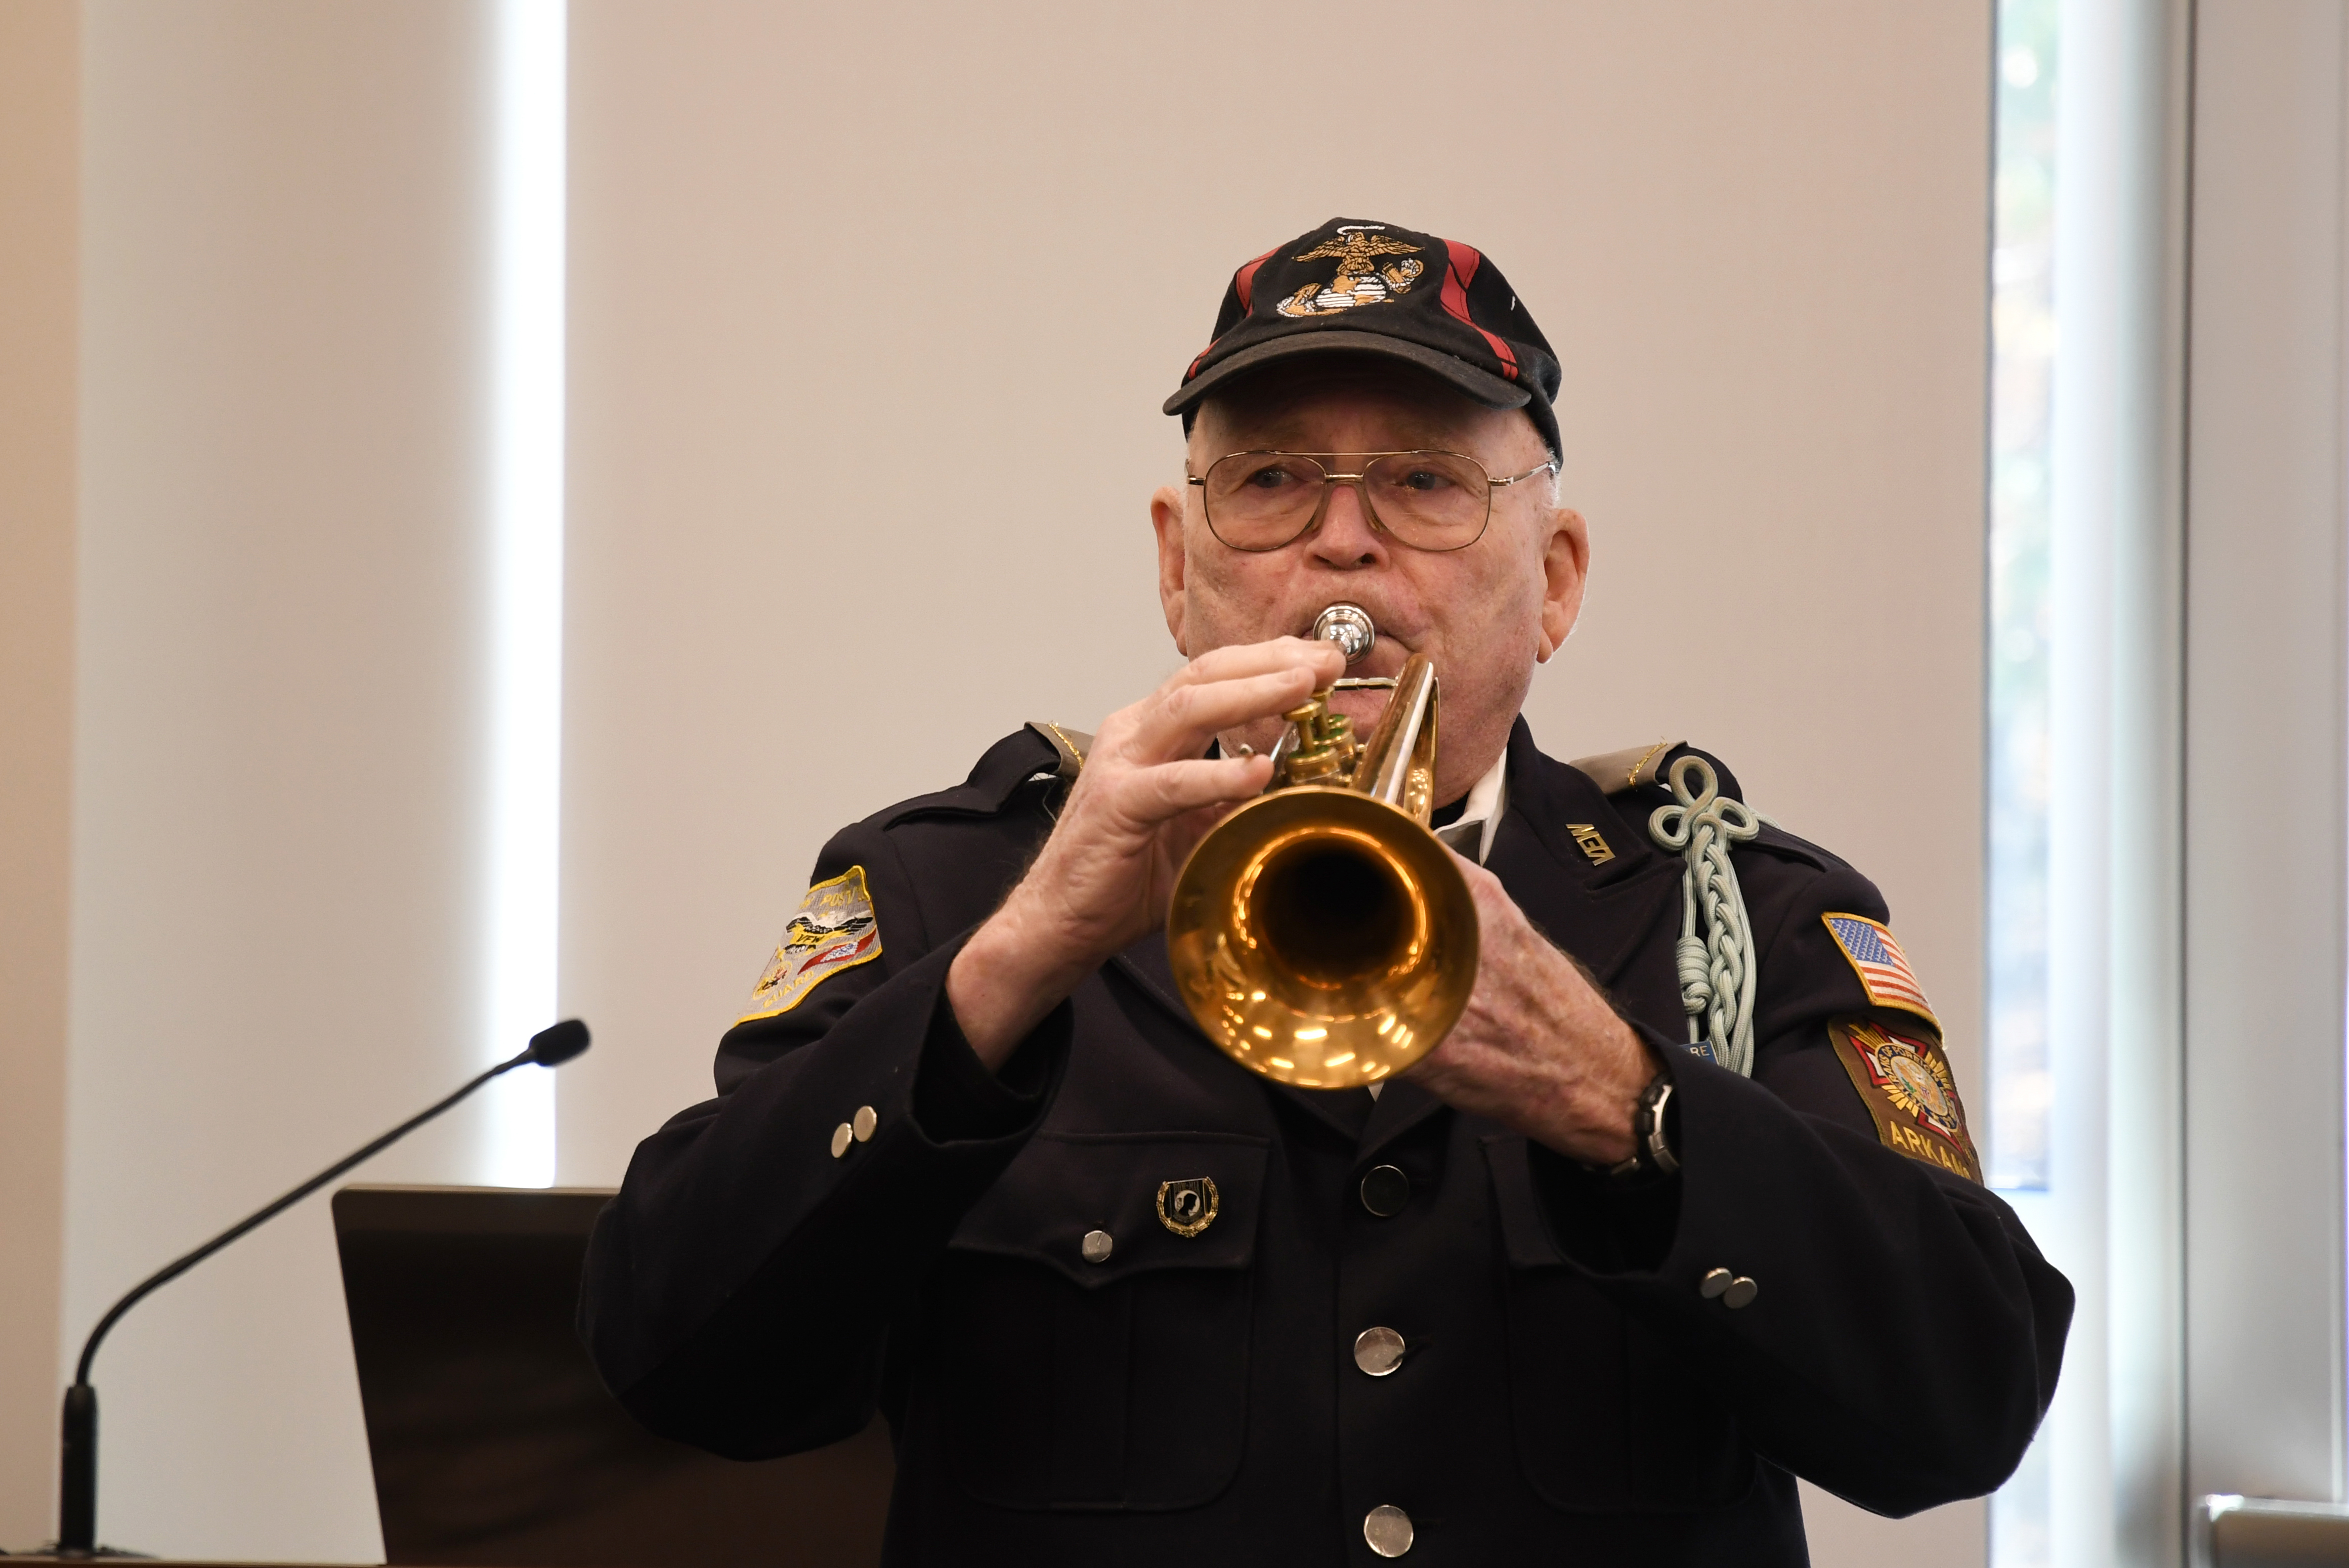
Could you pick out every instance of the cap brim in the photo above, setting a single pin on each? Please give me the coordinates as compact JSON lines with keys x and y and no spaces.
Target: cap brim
{"x":1481,"y":385}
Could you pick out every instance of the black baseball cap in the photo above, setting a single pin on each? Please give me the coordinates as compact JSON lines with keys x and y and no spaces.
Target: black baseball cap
{"x":1359,"y":288}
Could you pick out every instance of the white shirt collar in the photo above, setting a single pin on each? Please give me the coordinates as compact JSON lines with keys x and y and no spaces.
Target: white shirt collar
{"x":1481,"y":813}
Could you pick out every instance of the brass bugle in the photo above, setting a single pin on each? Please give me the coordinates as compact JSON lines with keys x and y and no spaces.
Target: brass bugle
{"x":1322,"y":935}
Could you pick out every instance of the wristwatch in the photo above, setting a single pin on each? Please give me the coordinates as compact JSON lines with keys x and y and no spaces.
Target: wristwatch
{"x":1652,"y":1146}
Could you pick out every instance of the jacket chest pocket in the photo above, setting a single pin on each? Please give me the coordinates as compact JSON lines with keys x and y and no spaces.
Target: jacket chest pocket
{"x":1607,"y":1418}
{"x":1088,"y":1334}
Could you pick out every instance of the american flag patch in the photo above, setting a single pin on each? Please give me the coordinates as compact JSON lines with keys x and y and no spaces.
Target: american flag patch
{"x":1883,"y":969}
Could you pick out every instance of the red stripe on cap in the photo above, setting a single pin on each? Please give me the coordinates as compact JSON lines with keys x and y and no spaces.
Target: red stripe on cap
{"x":1466,"y":260}
{"x":1243,"y":280}
{"x":1243,"y":284}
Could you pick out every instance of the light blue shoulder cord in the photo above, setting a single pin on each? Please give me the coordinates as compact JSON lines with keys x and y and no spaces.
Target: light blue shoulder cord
{"x":1716,"y":970}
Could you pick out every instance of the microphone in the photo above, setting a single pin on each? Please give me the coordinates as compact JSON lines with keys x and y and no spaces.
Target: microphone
{"x":78,"y":1486}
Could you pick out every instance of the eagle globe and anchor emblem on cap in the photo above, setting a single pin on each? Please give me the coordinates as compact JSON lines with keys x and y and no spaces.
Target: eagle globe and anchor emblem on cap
{"x":1189,"y":1206}
{"x":1361,"y":279}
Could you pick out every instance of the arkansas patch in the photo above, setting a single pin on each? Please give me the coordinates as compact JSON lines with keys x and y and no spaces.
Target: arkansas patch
{"x":1883,"y":969}
{"x":1907,"y":1084}
{"x":834,"y":930}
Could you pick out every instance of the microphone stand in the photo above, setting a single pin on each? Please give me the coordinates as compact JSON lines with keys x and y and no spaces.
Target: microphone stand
{"x":77,"y":1484}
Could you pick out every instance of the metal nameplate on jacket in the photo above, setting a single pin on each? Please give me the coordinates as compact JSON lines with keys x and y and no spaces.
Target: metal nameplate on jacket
{"x":836,"y":928}
{"x":1910,"y":1091}
{"x":1189,"y":1206}
{"x":1586,"y":838}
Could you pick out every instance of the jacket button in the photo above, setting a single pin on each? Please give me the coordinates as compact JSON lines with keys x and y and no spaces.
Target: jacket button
{"x":842,"y":1136}
{"x":1388,"y":1530}
{"x":1378,"y":1351}
{"x":864,"y":1123}
{"x":1714,"y":1281}
{"x":1385,"y":1190}
{"x":1097,"y":1246}
{"x":1741,"y":1291}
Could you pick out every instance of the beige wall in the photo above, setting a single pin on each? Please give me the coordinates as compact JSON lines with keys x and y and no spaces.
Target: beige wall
{"x":39,"y":105}
{"x":833,"y":272}
{"x":838,"y":272}
{"x":279,"y":773}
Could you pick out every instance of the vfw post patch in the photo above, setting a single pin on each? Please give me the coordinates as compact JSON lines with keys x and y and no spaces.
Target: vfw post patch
{"x":834,"y":930}
{"x":1883,"y":969}
{"x":1906,"y":1081}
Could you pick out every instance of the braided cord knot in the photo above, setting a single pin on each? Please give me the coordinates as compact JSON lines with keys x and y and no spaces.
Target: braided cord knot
{"x":1717,"y":968}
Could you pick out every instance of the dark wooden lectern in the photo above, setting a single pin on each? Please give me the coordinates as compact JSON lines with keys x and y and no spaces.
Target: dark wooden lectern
{"x":493,"y":1441}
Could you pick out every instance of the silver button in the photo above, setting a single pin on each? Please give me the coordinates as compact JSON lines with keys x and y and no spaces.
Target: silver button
{"x":1098,"y":1245}
{"x":1388,"y":1530}
{"x":1713,"y":1283}
{"x":1385,"y":1190}
{"x":864,"y":1122}
{"x":1741,"y":1291}
{"x":842,"y":1136}
{"x":1378,"y":1351}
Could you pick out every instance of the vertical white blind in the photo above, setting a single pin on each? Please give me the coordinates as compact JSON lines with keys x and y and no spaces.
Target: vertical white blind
{"x":521,"y":853}
{"x":2116,"y":874}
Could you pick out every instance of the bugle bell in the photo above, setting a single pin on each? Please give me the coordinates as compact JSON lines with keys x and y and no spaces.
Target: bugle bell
{"x":1321,"y":934}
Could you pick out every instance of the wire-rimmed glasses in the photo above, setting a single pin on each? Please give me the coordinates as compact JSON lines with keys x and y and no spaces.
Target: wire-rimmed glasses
{"x":1259,"y":501}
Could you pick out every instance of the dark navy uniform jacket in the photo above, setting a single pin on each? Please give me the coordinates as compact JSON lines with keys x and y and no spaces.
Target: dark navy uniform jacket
{"x":1567,"y":1391}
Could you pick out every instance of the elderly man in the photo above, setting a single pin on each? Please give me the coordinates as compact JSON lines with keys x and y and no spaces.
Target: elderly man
{"x":1571,"y":1288}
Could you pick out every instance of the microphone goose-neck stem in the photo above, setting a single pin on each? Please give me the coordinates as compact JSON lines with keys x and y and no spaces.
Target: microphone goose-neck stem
{"x":78,"y":1468}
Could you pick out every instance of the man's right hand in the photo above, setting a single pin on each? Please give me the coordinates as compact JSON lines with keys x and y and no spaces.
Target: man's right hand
{"x":1145,"y":798}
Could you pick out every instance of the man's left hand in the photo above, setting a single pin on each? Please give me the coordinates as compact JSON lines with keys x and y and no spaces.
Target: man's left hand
{"x":1539,"y":1050}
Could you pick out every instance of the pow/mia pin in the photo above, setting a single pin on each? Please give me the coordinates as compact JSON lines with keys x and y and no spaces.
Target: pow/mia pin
{"x":1188,"y":1207}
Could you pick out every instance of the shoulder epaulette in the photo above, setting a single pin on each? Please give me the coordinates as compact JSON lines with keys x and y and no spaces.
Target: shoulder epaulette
{"x":1615,"y":772}
{"x":1070,"y":745}
{"x":1029,"y":752}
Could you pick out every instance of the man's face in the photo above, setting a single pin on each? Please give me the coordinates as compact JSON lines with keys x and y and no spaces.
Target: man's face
{"x":1485,"y":615}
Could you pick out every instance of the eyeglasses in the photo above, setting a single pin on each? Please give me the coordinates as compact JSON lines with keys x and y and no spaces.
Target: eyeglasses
{"x":1259,"y":501}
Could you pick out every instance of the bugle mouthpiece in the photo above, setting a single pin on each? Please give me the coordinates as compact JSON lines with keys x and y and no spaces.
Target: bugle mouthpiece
{"x":1347,"y":626}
